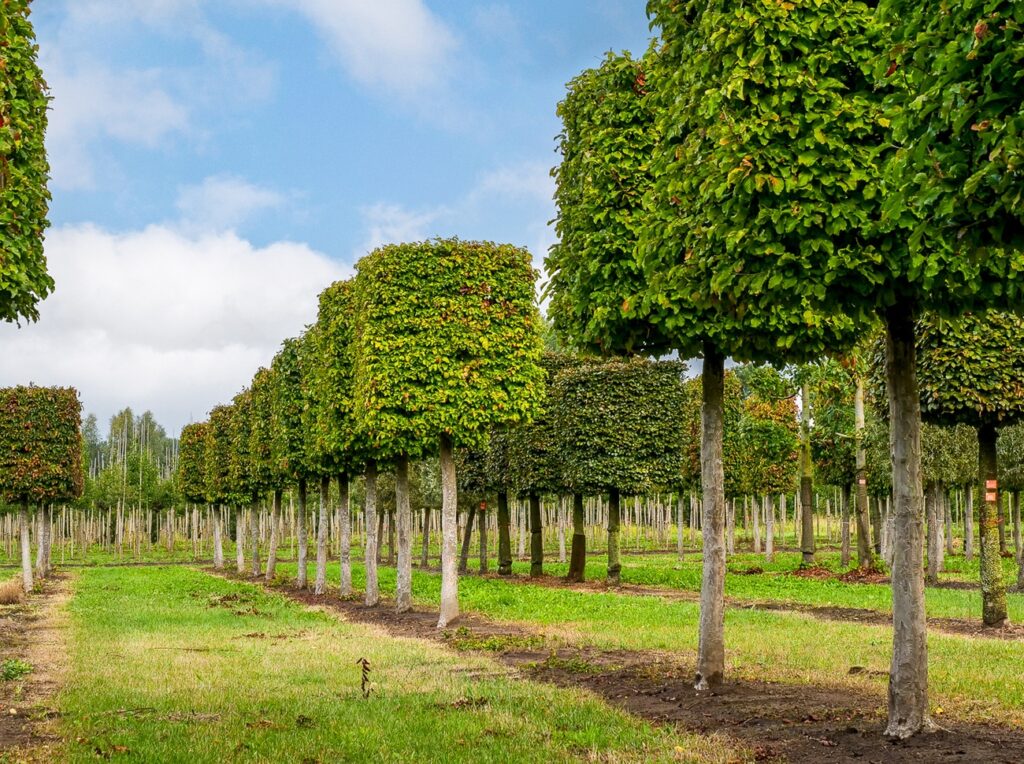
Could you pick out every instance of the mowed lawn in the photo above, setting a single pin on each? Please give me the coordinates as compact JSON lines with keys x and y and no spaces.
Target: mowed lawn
{"x":173,"y":664}
{"x":976,"y":679}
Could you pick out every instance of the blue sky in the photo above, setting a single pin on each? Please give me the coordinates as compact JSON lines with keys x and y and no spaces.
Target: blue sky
{"x":216,"y":163}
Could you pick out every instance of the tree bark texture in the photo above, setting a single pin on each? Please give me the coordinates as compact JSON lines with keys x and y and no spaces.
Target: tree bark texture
{"x":449,"y":532}
{"x":403,"y":523}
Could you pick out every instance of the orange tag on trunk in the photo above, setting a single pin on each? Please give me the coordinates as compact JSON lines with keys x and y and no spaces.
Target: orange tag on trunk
{"x":863,"y":481}
{"x":990,"y":497}
{"x":991,"y":485}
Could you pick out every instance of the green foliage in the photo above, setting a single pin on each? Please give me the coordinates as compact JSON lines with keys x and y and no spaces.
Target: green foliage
{"x":764,"y":447}
{"x":328,"y":376}
{"x":607,"y":140}
{"x":971,"y":369}
{"x":192,"y":462}
{"x":833,"y":435}
{"x":949,"y":455}
{"x":12,"y":669}
{"x":40,"y":444}
{"x":960,"y":121}
{"x":265,"y":470}
{"x":617,"y":425}
{"x":447,"y":341}
{"x":289,"y":438}
{"x":765,"y":175}
{"x":1011,"y":458}
{"x":218,"y":455}
{"x":24,"y":171}
{"x":242,"y":483}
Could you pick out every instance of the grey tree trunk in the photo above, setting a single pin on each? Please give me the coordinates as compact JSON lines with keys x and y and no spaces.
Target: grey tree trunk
{"x":370,"y":522}
{"x":845,"y":530}
{"x":26,"y":549}
{"x":536,"y":538}
{"x":449,"y":532}
{"x":711,"y":641}
{"x":614,"y":515}
{"x":300,"y":531}
{"x":908,"y":675}
{"x":345,"y":535}
{"x":425,"y":555}
{"x":769,"y":530}
{"x":403,"y":523}
{"x":275,"y":512}
{"x":484,"y":551}
{"x":947,"y":511}
{"x":218,"y":540}
{"x":254,"y":537}
{"x":578,"y":556}
{"x":969,"y":523}
{"x":993,"y":588}
{"x":932,"y":518}
{"x":806,"y":480}
{"x":680,"y":518}
{"x":1015,"y":509}
{"x":755,"y":512}
{"x":865,"y":558}
{"x":504,"y":536}
{"x":320,"y":581}
{"x":43,"y":543}
{"x":467,"y":537}
{"x":239,"y":541}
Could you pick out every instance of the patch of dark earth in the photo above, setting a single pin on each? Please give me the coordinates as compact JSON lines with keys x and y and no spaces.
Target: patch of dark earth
{"x":773,"y":722}
{"x":26,"y":700}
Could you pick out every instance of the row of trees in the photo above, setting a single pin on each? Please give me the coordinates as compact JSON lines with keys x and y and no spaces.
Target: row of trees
{"x":725,"y":196}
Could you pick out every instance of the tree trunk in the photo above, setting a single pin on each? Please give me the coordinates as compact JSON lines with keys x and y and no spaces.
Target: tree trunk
{"x":908,"y":675}
{"x":449,"y":532}
{"x":254,"y":537}
{"x":482,"y":525}
{"x":370,"y":522}
{"x":932,"y":517}
{"x":865,"y":558}
{"x":425,"y":554}
{"x":320,"y":581}
{"x":806,"y":480}
{"x":239,"y":541}
{"x":504,"y":536}
{"x":755,"y":512}
{"x":43,"y":543}
{"x":769,"y":529}
{"x":26,"y":549}
{"x":467,"y":537}
{"x":403,"y":527}
{"x":578,"y":556}
{"x":993,"y":588}
{"x":300,"y":531}
{"x":680,"y":518}
{"x":969,"y":523}
{"x":614,"y":516}
{"x":845,"y":530}
{"x":218,"y":541}
{"x":947,"y":512}
{"x":1001,"y":516}
{"x":711,"y":642}
{"x":345,"y":534}
{"x":275,"y":512}
{"x":536,"y":538}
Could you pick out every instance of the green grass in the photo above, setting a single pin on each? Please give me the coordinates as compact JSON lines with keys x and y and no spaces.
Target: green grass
{"x":980,"y":678}
{"x":13,"y":668}
{"x":172,"y":664}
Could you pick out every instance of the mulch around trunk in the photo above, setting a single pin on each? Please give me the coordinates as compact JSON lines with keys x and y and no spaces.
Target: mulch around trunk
{"x":774,"y":722}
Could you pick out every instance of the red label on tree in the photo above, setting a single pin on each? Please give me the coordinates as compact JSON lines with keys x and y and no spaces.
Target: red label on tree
{"x":991,"y":485}
{"x":863,"y":481}
{"x":990,"y":496}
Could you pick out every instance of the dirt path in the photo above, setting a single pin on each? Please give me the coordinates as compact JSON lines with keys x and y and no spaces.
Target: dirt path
{"x":35,"y":632}
{"x":774,"y":722}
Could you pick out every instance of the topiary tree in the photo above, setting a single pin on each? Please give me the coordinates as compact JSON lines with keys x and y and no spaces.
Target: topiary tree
{"x":971,"y":371}
{"x":191,"y":476}
{"x":217,"y":463}
{"x":244,"y":477}
{"x":24,"y":171}
{"x":40,"y":456}
{"x":949,"y":456}
{"x":265,"y":468}
{"x":446,"y":347}
{"x":336,"y":444}
{"x":616,"y":432}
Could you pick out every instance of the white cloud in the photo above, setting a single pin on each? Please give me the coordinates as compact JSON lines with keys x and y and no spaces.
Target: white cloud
{"x":396,"y":45}
{"x":393,"y":223}
{"x":160,"y":320}
{"x":224,"y":202}
{"x":526,"y":180}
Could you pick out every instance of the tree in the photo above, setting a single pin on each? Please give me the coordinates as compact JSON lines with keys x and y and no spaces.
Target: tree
{"x":244,"y":478}
{"x":446,"y":347}
{"x":617,"y":431}
{"x":191,"y":473}
{"x":40,"y":455}
{"x":265,"y":467}
{"x":1011,"y":476}
{"x":217,"y":462}
{"x":24,"y":171}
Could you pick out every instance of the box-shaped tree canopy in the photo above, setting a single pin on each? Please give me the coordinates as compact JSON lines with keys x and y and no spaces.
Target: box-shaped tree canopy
{"x":447,"y":342}
{"x":617,"y":425}
{"x":218,"y":455}
{"x":241,"y":473}
{"x":289,"y":437}
{"x":265,"y":469}
{"x":192,"y":462}
{"x":40,"y":444}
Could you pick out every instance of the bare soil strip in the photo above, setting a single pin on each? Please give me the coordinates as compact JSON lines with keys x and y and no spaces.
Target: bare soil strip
{"x":36,"y":633}
{"x":775,"y":722}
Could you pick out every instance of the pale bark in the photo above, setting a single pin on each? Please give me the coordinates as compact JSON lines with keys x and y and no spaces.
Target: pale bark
{"x":345,"y":535}
{"x":711,"y":642}
{"x":755,"y":512}
{"x":239,"y":541}
{"x":504,"y":536}
{"x":403,"y":523}
{"x":993,"y":588}
{"x":301,"y":578}
{"x":806,"y":480}
{"x":969,"y":523}
{"x":218,"y":541}
{"x":769,"y":531}
{"x":449,"y":532}
{"x":844,"y":514}
{"x":254,"y":538}
{"x":680,"y":517}
{"x":275,"y":511}
{"x":370,"y":528}
{"x":26,"y":549}
{"x":320,"y":581}
{"x":425,"y":554}
{"x":865,"y":558}
{"x":908,"y":675}
{"x":932,"y":519}
{"x":467,"y":537}
{"x":43,"y":543}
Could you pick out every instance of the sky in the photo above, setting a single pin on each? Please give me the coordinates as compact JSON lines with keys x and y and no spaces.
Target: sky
{"x":216,"y":163}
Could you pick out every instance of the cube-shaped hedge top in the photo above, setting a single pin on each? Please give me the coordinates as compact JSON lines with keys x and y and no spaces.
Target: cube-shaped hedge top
{"x":192,"y":462}
{"x":447,"y":342}
{"x":40,"y":444}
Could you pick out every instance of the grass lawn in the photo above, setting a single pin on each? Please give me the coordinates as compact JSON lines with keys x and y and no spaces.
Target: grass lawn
{"x":172,"y":664}
{"x":977,"y":679}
